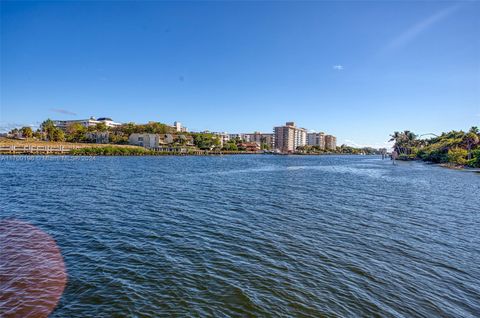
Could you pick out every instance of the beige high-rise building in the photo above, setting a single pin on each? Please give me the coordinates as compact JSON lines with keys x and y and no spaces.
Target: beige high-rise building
{"x":330,"y":142}
{"x":289,"y":137}
{"x":316,"y":139}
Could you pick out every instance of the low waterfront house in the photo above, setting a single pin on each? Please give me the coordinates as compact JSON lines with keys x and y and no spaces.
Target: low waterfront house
{"x":145,"y":140}
{"x":250,"y":146}
{"x":185,"y":140}
{"x":99,"y":137}
{"x":17,"y":134}
{"x":167,"y":139}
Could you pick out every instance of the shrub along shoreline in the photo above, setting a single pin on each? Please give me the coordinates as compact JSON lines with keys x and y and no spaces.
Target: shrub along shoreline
{"x":118,"y":151}
{"x":111,"y":151}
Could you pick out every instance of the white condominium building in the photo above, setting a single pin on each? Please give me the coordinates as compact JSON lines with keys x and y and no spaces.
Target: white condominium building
{"x":316,"y":139}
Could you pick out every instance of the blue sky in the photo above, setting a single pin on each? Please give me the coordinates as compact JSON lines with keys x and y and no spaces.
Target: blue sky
{"x":355,"y":69}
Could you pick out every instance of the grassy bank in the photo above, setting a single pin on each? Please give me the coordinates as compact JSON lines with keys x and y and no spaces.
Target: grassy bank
{"x":138,"y":151}
{"x":112,"y":151}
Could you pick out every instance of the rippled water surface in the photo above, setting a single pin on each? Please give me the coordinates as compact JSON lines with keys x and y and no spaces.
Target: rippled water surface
{"x":265,"y":236}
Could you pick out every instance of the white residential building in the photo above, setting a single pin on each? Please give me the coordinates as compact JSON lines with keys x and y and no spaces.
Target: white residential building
{"x":244,"y":137}
{"x":145,"y":140}
{"x":223,"y":136}
{"x":108,"y":121}
{"x":90,"y":122}
{"x":316,"y":139}
{"x":178,"y":127}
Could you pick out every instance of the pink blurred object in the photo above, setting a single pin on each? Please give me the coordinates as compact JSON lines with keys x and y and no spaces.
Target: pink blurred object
{"x":32,"y":271}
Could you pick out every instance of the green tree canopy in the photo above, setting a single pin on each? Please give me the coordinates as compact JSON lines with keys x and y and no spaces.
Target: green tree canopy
{"x":27,"y":132}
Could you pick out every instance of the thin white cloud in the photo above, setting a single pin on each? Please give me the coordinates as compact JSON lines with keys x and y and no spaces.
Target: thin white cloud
{"x":338,"y":67}
{"x":415,"y":30}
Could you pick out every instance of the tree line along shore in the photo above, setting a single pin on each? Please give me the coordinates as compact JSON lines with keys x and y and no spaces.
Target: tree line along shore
{"x":455,"y":149}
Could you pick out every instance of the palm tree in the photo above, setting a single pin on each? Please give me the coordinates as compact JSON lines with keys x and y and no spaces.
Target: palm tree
{"x":404,"y":141}
{"x":471,"y":139}
{"x":397,"y":138}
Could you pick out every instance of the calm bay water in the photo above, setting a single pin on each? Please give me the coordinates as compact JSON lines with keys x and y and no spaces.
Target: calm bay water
{"x":264,"y":236}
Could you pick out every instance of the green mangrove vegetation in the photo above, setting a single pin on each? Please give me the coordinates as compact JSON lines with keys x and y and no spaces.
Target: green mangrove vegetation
{"x":112,"y":151}
{"x":343,"y":149}
{"x":456,"y":148}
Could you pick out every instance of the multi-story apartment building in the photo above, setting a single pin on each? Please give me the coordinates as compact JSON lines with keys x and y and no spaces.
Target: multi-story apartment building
{"x":178,"y":127}
{"x":268,"y":139}
{"x":260,"y":138}
{"x":289,"y":137}
{"x":92,"y":121}
{"x":244,"y":137}
{"x":316,"y":139}
{"x":222,"y":136}
{"x":330,"y":142}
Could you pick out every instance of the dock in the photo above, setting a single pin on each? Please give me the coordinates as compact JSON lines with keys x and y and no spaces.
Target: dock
{"x":37,"y":150}
{"x":65,"y":150}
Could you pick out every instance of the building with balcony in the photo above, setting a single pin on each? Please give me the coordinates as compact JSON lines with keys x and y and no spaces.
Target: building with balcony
{"x":261,"y":138}
{"x":330,"y":142}
{"x":316,"y":139}
{"x":289,"y":137}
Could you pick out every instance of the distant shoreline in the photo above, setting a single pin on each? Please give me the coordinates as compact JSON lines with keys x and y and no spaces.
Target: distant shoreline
{"x":13,"y":147}
{"x":164,"y":153}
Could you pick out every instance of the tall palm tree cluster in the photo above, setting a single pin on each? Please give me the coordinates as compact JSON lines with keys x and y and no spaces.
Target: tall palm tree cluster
{"x":456,"y":147}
